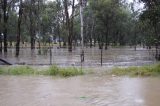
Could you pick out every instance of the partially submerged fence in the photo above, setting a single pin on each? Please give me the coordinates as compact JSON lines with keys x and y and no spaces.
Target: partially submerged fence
{"x":112,"y":57}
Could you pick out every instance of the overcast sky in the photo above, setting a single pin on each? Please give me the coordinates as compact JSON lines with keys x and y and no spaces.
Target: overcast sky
{"x":137,"y":5}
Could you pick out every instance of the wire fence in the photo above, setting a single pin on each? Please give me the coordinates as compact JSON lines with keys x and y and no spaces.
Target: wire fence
{"x":92,"y":57}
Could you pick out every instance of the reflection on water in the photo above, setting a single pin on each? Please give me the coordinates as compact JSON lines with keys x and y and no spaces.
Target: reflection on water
{"x":79,"y":91}
{"x":112,"y":57}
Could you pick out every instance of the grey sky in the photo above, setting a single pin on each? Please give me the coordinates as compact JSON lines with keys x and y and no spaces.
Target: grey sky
{"x":137,"y":5}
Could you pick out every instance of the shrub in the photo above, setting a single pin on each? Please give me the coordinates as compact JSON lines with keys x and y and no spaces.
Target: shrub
{"x":53,"y":70}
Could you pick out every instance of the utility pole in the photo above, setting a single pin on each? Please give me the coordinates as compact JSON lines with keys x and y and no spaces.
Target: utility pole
{"x":82,"y":38}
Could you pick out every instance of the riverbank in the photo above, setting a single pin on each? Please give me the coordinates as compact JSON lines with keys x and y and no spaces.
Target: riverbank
{"x":50,"y":71}
{"x":143,"y":71}
{"x":148,"y":70}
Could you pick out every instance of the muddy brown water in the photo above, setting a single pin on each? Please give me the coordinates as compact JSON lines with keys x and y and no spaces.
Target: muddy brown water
{"x":124,"y":56}
{"x":88,"y":90}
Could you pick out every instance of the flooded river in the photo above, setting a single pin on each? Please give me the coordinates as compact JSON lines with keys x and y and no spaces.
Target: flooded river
{"x":124,"y":56}
{"x":88,"y":90}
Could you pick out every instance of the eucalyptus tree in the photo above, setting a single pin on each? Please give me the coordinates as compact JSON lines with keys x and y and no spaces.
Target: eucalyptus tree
{"x":81,"y":27}
{"x":111,"y":16}
{"x":19,"y":27}
{"x":5,"y":20}
{"x":101,"y":10}
{"x":51,"y":17}
{"x":135,"y":21}
{"x":59,"y":10}
{"x":32,"y":18}
{"x":152,"y":15}
{"x":12,"y":26}
{"x":5,"y":10}
{"x":1,"y":26}
{"x":89,"y":24}
{"x":69,"y":19}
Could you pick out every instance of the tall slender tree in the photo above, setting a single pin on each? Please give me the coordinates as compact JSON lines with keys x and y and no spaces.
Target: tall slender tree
{"x":19,"y":27}
{"x":69,"y":22}
{"x":82,"y":37}
{"x":152,"y":13}
{"x":32,"y":23}
{"x":5,"y":20}
{"x":0,"y":26}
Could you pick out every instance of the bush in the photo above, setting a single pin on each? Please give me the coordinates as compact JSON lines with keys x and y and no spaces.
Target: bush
{"x":53,"y":70}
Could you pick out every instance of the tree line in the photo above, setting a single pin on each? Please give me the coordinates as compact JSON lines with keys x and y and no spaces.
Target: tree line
{"x":106,"y":22}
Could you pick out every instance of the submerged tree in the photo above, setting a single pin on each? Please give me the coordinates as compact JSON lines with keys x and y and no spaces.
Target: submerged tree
{"x":69,"y":21}
{"x":151,"y":14}
{"x":5,"y":20}
{"x":1,"y":26}
{"x":19,"y":27}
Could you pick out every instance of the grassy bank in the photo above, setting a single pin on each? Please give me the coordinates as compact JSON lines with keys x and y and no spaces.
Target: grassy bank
{"x":151,"y":70}
{"x":51,"y":71}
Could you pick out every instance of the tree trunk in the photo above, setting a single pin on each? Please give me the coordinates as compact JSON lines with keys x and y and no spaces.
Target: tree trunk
{"x":64,"y":44}
{"x":71,"y":25}
{"x":107,"y":34}
{"x":19,"y":29}
{"x":5,"y":39}
{"x":101,"y":53}
{"x":32,"y":26}
{"x":99,"y":42}
{"x":0,"y":32}
{"x":90,"y":42}
{"x":91,"y":36}
{"x":70,"y":43}
{"x":32,"y":34}
{"x":157,"y":43}
{"x":135,"y":40}
{"x":106,"y":44}
{"x":82,"y":40}
{"x":0,"y":43}
{"x":59,"y":36}
{"x":121,"y":39}
{"x":5,"y":17}
{"x":67,"y":24}
{"x":95,"y":42}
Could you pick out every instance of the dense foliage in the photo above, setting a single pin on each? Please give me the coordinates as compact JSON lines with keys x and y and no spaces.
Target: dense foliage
{"x":106,"y":23}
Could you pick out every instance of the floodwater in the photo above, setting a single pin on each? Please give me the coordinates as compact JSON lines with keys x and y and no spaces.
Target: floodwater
{"x":124,"y":56}
{"x":88,"y":90}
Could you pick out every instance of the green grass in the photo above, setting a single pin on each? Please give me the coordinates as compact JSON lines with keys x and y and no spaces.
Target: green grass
{"x":151,"y":70}
{"x":64,"y":72}
{"x":51,"y":71}
{"x":17,"y":70}
{"x":1,"y":71}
